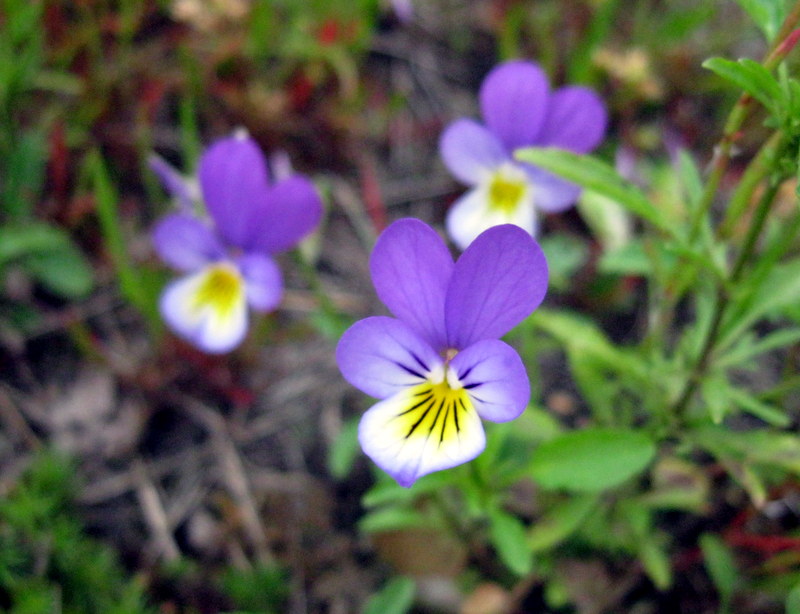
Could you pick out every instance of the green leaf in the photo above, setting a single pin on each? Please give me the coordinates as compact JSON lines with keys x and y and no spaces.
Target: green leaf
{"x":64,"y":272}
{"x":48,"y":254}
{"x":768,"y":14}
{"x":565,"y":256}
{"x":608,"y":221}
{"x":561,"y":521}
{"x":761,"y":446}
{"x":594,"y":174}
{"x":344,"y":450}
{"x":779,"y":289}
{"x":396,"y":597}
{"x":749,"y":349}
{"x":656,"y":563}
{"x":628,"y":259}
{"x":720,"y":565}
{"x":793,"y":601}
{"x":392,"y":519}
{"x":509,"y":537}
{"x":749,"y":76}
{"x":591,"y":460}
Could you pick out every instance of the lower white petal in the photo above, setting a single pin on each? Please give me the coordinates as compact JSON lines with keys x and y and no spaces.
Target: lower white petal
{"x":473,"y":213}
{"x":420,"y":430}
{"x":208,"y":308}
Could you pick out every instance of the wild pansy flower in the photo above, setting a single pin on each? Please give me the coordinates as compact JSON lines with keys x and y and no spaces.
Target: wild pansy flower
{"x":228,"y":255}
{"x":438,"y":365}
{"x":519,"y":110}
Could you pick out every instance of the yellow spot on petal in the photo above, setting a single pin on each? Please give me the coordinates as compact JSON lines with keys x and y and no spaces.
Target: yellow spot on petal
{"x":221,"y":290}
{"x":436,"y":411}
{"x":506,"y":191}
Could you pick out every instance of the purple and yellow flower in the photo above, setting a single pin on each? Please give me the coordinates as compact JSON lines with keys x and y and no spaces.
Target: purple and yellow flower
{"x":227,"y":255}
{"x":519,"y":110}
{"x":438,"y":365}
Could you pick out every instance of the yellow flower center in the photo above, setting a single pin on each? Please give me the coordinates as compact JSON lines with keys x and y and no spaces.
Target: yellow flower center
{"x":434,"y":410}
{"x":505,"y":192}
{"x":221,"y":290}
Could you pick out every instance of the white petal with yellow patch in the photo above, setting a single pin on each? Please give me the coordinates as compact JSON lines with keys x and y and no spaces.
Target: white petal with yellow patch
{"x":425,"y":428}
{"x":208,"y":308}
{"x":503,"y":196}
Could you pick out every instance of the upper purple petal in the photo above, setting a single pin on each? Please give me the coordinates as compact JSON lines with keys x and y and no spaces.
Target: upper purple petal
{"x":470,"y":150}
{"x":233,"y":180}
{"x":495,"y":378}
{"x":263,"y":281}
{"x":173,"y":182}
{"x":382,"y":356}
{"x":289,"y":210}
{"x":410,"y":269}
{"x":576,"y":120}
{"x":496,"y":283}
{"x":514,"y":101}
{"x":185,"y":242}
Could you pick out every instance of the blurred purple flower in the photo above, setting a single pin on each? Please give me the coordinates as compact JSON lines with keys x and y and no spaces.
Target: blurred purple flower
{"x":519,"y":110}
{"x":227,"y":256}
{"x":439,"y":365}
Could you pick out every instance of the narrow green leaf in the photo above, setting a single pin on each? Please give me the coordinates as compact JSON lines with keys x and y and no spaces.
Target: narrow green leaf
{"x":344,"y":450}
{"x":720,"y":565}
{"x":509,"y":537}
{"x":750,"y":349}
{"x":656,"y":563}
{"x":591,"y":460}
{"x":768,"y":413}
{"x":749,"y":76}
{"x":793,"y":601}
{"x":768,"y":14}
{"x":594,"y":174}
{"x":392,"y":519}
{"x":561,"y":521}
{"x":396,"y":597}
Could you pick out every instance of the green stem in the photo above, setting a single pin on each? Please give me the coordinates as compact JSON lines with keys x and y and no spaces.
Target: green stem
{"x":721,"y":302}
{"x":756,"y":171}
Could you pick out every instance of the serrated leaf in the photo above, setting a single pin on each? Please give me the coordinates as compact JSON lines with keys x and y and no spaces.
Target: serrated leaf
{"x":594,"y":174}
{"x":749,"y":76}
{"x":591,"y":460}
{"x":396,"y":597}
{"x":509,"y":537}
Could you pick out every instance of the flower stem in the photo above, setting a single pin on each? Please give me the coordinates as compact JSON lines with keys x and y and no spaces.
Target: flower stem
{"x":721,"y":302}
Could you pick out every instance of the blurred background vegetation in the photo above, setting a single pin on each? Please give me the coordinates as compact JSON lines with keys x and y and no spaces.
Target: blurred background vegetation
{"x":138,"y":475}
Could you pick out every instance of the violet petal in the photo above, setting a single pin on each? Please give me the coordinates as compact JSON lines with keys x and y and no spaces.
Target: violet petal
{"x":289,"y":210}
{"x":495,"y":377}
{"x":410,"y":269}
{"x":551,"y":194}
{"x":576,"y":120}
{"x":186,"y":243}
{"x":498,"y":281}
{"x":470,"y":150}
{"x":173,"y":181}
{"x":233,"y":180}
{"x":514,"y":101}
{"x":263,"y":281}
{"x":381,"y":356}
